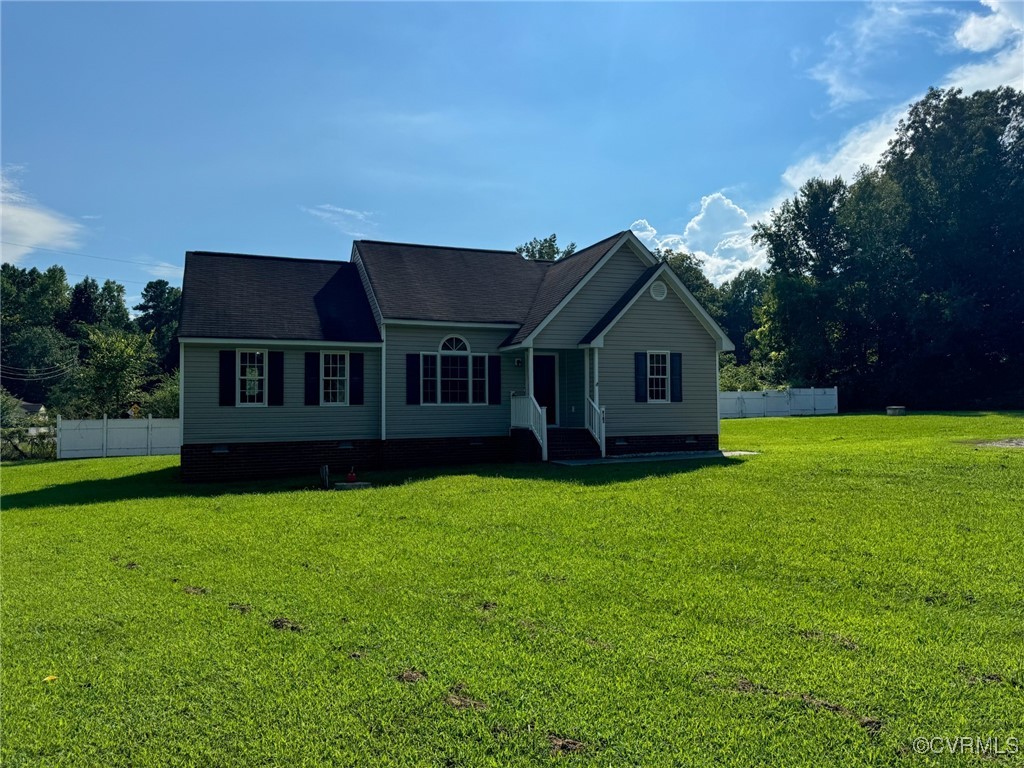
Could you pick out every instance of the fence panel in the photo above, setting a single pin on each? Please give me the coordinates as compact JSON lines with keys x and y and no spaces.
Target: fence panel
{"x":92,"y":438}
{"x":813,"y":401}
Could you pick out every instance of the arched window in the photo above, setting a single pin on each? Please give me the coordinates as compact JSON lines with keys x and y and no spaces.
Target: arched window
{"x":454,"y":344}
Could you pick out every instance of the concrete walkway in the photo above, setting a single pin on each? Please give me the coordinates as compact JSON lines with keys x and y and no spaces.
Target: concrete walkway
{"x":648,"y":457}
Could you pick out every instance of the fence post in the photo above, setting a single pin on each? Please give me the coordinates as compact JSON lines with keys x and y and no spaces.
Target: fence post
{"x":149,"y":434}
{"x":58,"y":436}
{"x":104,"y":435}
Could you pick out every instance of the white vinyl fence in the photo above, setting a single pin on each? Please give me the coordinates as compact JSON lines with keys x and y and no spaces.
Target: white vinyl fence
{"x":815,"y":401}
{"x":87,"y":438}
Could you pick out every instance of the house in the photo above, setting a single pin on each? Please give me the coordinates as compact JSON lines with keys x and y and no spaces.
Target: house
{"x":413,"y":354}
{"x":33,"y":410}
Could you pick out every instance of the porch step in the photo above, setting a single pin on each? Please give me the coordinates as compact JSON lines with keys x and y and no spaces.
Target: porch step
{"x":566,"y":444}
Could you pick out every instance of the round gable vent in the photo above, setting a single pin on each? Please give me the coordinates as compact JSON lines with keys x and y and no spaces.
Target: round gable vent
{"x":658,"y":290}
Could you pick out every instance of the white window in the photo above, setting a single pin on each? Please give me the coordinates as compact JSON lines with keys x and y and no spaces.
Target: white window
{"x":453,"y":376}
{"x":657,"y":377}
{"x":252,"y":376}
{"x":333,"y":378}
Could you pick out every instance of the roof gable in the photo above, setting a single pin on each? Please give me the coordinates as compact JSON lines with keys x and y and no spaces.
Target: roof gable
{"x":595,"y":337}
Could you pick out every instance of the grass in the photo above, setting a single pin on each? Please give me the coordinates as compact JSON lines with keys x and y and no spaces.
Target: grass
{"x":855,"y":586}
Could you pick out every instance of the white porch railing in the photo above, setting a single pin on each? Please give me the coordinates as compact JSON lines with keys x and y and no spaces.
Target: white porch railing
{"x":595,"y":422}
{"x":527,"y":414}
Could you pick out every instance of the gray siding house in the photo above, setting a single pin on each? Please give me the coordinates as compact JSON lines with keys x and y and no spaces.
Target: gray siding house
{"x":412,"y":355}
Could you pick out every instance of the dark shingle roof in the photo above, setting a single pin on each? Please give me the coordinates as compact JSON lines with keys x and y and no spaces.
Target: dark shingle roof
{"x":560,"y":279}
{"x":229,"y":295}
{"x":619,"y":305}
{"x":425,"y":282}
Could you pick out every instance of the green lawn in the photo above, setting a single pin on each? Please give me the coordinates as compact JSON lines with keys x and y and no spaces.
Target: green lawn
{"x":856,"y":585}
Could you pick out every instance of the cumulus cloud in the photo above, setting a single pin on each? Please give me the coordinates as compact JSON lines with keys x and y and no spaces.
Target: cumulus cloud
{"x":350,"y":221}
{"x":30,"y":225}
{"x":719,"y":235}
{"x":985,"y":32}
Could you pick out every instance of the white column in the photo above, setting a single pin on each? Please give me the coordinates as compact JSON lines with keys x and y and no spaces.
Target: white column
{"x":586,"y":375}
{"x":529,"y":371}
{"x":597,"y":378}
{"x":383,"y":382}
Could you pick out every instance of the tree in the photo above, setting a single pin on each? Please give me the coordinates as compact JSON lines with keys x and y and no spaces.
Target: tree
{"x":158,"y":317}
{"x":35,"y":360}
{"x":739,"y":298}
{"x":162,"y":400}
{"x":111,"y":310}
{"x":111,"y":380}
{"x":545,"y":250}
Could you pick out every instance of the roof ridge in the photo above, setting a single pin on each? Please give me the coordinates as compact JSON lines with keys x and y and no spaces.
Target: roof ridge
{"x":264,"y":256}
{"x":439,"y":247}
{"x":592,"y":245}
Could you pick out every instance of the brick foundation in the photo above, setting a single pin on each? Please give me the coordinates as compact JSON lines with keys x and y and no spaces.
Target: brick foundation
{"x":623,"y":445}
{"x":240,"y":461}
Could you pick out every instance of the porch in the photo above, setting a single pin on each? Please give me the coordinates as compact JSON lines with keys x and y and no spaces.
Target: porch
{"x":561,"y":404}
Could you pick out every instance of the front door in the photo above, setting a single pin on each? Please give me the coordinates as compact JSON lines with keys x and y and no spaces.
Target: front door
{"x":545,"y":385}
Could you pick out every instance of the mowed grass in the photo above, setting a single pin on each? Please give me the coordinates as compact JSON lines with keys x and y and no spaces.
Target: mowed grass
{"x":856,"y":585}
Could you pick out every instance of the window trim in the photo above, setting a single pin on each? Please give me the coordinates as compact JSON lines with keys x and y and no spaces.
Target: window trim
{"x":667,"y":377}
{"x":238,"y":377}
{"x":442,"y":351}
{"x":322,"y":378}
{"x":469,"y":371}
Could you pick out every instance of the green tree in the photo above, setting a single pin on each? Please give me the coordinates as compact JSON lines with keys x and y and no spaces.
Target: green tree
{"x":545,"y":249}
{"x":689,"y":268}
{"x":162,"y":400}
{"x":739,"y":298}
{"x":158,"y":317}
{"x":111,"y":380}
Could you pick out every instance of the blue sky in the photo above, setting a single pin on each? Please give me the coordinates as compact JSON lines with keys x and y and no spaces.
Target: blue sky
{"x":137,"y":131}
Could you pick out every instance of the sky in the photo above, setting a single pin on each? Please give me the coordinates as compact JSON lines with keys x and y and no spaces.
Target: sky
{"x":133,"y":132}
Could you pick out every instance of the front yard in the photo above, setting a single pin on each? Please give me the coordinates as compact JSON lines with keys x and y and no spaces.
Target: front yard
{"x":856,"y":586}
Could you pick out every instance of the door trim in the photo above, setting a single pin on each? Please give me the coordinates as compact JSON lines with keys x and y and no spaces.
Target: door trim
{"x":555,"y":355}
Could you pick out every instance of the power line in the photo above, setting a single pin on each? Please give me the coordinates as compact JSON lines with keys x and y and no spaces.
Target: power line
{"x":78,"y":253}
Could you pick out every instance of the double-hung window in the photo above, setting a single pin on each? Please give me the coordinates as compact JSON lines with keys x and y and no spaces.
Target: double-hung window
{"x":454,"y":375}
{"x":657,"y":377}
{"x":334,"y":378}
{"x":252,"y":377}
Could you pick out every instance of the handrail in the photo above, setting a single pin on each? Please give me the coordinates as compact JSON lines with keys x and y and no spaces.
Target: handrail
{"x":528,"y":414}
{"x":595,"y":422}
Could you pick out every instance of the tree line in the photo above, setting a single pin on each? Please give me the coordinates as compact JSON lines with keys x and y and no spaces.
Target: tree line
{"x":904,"y":286}
{"x":80,"y":352}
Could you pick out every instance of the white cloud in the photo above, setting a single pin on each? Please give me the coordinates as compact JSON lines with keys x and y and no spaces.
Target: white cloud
{"x":24,"y":221}
{"x":350,"y":221}
{"x":983,"y":33}
{"x":864,"y":144}
{"x":858,"y":48}
{"x":719,"y":235}
{"x":166,"y":271}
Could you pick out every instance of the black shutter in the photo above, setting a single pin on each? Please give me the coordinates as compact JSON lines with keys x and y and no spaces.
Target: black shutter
{"x":275,"y":378}
{"x":228,"y":377}
{"x":640,"y":377}
{"x":355,"y":378}
{"x":412,"y":379}
{"x":494,"y":379}
{"x":312,"y":378}
{"x":676,"y":369}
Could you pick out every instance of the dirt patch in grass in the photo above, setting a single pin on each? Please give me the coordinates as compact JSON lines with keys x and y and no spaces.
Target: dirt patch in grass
{"x":286,"y":625}
{"x":870,"y":724}
{"x":457,"y":698}
{"x":190,"y":590}
{"x":131,"y":565}
{"x":488,"y":605}
{"x":1011,"y":442}
{"x":981,"y":678}
{"x":242,"y":608}
{"x":411,"y":675}
{"x":841,"y":640}
{"x":564,"y":744}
